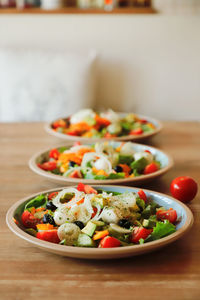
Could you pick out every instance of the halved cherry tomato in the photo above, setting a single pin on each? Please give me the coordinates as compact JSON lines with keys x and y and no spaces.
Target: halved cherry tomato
{"x":109,"y":242}
{"x":90,"y":190}
{"x":86,"y":188}
{"x":48,"y":166}
{"x":74,"y":133}
{"x":126,"y":169}
{"x":140,"y":233}
{"x":147,"y":151}
{"x":75,"y":174}
{"x":28,"y":220}
{"x":151,"y":168}
{"x":48,"y":235}
{"x":95,"y":211}
{"x":77,"y":144}
{"x":54,"y":153}
{"x":102,"y":121}
{"x":137,"y":131}
{"x":59,"y":123}
{"x":52,"y":195}
{"x":184,"y":188}
{"x":81,"y":187}
{"x":142,"y":195}
{"x":169,"y":214}
{"x":109,"y":135}
{"x":143,"y":121}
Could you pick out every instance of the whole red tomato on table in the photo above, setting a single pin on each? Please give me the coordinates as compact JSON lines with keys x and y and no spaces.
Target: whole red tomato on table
{"x":184,"y":188}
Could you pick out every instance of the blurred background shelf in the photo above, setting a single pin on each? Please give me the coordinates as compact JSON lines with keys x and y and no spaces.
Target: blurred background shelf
{"x":75,"y":10}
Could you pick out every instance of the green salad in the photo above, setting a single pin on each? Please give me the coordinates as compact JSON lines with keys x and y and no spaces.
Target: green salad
{"x":87,"y":217}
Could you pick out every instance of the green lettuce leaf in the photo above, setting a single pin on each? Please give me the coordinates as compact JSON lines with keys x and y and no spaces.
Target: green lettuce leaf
{"x":161,"y":230}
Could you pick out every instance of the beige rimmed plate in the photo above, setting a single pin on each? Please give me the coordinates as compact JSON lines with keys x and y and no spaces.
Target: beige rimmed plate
{"x":158,"y":127}
{"x":165,"y":160}
{"x":183,"y":212}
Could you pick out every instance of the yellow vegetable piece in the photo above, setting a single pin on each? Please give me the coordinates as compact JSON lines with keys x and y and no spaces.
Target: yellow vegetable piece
{"x":102,"y":172}
{"x":44,"y":226}
{"x":132,"y":175}
{"x":100,"y":234}
{"x":151,"y":125}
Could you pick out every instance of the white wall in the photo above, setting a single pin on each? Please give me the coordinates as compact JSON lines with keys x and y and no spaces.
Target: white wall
{"x":148,"y":63}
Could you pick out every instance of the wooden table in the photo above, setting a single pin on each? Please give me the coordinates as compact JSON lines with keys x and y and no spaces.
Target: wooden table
{"x":29,"y":273}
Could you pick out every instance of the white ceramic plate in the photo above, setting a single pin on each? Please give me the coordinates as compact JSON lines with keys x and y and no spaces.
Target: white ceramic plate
{"x":165,"y":160}
{"x":158,"y":127}
{"x":183,"y":212}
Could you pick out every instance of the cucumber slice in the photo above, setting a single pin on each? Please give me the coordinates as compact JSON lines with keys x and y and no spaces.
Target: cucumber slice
{"x":84,"y":241}
{"x":119,"y":229}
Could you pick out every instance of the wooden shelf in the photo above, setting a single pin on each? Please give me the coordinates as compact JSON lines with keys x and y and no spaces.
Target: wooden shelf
{"x":74,"y":10}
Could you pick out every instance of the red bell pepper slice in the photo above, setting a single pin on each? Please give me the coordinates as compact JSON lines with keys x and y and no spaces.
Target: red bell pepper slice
{"x":109,"y":242}
{"x":49,"y":236}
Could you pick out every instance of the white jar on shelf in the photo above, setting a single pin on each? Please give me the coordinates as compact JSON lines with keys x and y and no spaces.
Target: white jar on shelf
{"x":84,"y":4}
{"x":51,"y":4}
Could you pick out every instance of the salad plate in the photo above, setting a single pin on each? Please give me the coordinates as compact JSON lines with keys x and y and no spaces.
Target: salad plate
{"x":87,"y":125}
{"x":101,"y":163}
{"x":165,"y":230}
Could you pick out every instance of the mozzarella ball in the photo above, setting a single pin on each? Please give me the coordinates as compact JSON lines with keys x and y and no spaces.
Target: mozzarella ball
{"x":69,"y":232}
{"x":127,"y":149}
{"x":103,"y":164}
{"x":146,"y":155}
{"x":111,"y":215}
{"x":114,"y":128}
{"x":111,"y":116}
{"x":82,"y":115}
{"x":62,"y":215}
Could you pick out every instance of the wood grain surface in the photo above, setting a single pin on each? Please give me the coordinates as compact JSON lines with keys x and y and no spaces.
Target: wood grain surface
{"x":27,"y":272}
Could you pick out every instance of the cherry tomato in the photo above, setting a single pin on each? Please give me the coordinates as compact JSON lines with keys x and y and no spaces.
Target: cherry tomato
{"x":184,"y":188}
{"x":169,"y":214}
{"x":74,"y":133}
{"x":90,"y":190}
{"x":147,"y":151}
{"x":109,"y":242}
{"x":52,"y":195}
{"x":75,"y":174}
{"x":86,"y":188}
{"x":81,"y":187}
{"x":94,"y":213}
{"x":137,"y":131}
{"x":77,"y":144}
{"x":28,"y":220}
{"x":151,"y":168}
{"x":140,"y":233}
{"x":125,"y":168}
{"x":109,"y":135}
{"x":59,"y":123}
{"x":102,"y":121}
{"x":48,"y":235}
{"x":48,"y":166}
{"x":143,"y":121}
{"x":142,"y":195}
{"x":54,"y":153}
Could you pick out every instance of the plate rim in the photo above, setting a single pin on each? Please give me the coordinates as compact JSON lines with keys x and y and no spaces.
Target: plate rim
{"x":58,"y":178}
{"x":99,"y":253}
{"x":67,"y":137}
